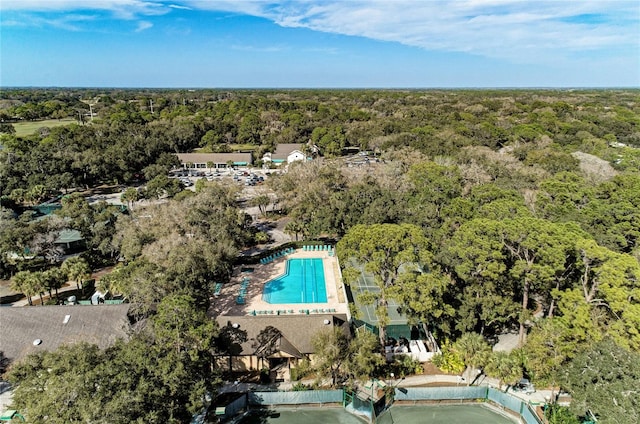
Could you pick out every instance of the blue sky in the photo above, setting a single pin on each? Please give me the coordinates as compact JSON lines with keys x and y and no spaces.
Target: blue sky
{"x":320,"y":43}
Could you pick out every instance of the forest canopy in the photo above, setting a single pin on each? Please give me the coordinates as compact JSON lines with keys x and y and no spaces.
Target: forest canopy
{"x":479,"y":211}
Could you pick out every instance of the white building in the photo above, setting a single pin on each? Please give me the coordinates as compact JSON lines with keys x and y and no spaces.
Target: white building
{"x":285,"y":153}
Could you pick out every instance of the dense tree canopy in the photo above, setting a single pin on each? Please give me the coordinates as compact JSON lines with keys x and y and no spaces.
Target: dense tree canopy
{"x":391,"y":253}
{"x":161,"y":375}
{"x":478,"y":211}
{"x":603,"y":379}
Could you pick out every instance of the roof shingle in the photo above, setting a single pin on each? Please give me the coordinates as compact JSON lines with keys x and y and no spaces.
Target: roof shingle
{"x":21,"y":326}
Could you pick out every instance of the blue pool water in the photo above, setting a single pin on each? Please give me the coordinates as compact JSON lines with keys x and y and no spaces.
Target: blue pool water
{"x":302,"y":282}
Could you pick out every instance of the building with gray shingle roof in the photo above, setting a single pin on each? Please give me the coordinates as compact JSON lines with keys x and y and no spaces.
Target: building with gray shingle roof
{"x":25,"y":330}
{"x":294,"y":343}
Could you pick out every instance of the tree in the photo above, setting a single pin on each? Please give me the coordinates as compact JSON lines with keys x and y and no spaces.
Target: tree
{"x":23,"y":282}
{"x":521,"y":256}
{"x":547,"y":349}
{"x":160,"y":186}
{"x":77,"y":269}
{"x":604,"y":378}
{"x":475,"y":253}
{"x":294,"y":227}
{"x":261,"y":201}
{"x":7,"y":128}
{"x":538,"y":251}
{"x":505,"y":367}
{"x":267,"y":342}
{"x":130,"y":196}
{"x":559,"y":414}
{"x":78,"y":213}
{"x":605,"y":296}
{"x":474,"y":349}
{"x":434,"y":187}
{"x":428,"y":297}
{"x":53,"y":279}
{"x":229,"y":341}
{"x":364,"y":356}
{"x":331,"y":348}
{"x":36,"y":283}
{"x":392,"y":253}
{"x":56,"y":386}
{"x":180,"y":325}
{"x":4,"y":363}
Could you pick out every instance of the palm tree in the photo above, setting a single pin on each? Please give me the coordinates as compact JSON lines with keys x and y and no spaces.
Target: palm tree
{"x":475,"y":351}
{"x":294,"y":227}
{"x":37,"y":284}
{"x":54,"y":278}
{"x":505,"y":367}
{"x":129,"y":196}
{"x":76,"y":269}
{"x":20,"y":283}
{"x":111,"y":283}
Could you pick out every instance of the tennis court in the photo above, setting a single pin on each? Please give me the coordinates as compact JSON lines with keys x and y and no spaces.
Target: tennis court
{"x":432,"y":414}
{"x":444,"y":414}
{"x":397,"y":326}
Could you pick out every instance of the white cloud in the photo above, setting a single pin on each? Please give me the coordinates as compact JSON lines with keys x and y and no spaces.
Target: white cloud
{"x":177,"y":6}
{"x":142,"y":25}
{"x":123,"y":9}
{"x":523,"y":31}
{"x":68,"y":22}
{"x":519,"y":30}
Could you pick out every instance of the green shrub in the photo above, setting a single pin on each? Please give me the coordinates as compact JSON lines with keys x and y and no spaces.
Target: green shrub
{"x":299,"y":387}
{"x":558,"y":414}
{"x":449,"y":360}
{"x":404,"y":365}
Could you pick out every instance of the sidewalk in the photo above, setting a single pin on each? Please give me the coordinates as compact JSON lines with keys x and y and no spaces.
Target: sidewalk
{"x":24,"y":302}
{"x":540,"y":396}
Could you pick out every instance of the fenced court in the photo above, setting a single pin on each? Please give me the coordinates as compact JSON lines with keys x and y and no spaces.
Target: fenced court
{"x":446,"y":405}
{"x":443,"y":414}
{"x":432,"y":414}
{"x":397,"y":323}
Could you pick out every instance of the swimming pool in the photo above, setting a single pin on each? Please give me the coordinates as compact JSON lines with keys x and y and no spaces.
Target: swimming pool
{"x":302,"y":282}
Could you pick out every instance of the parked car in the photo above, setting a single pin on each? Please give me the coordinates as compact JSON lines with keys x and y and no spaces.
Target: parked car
{"x":524,"y":386}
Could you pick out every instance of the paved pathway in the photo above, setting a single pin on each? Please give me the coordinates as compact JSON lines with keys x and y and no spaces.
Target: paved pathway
{"x":25,"y":301}
{"x":540,"y":396}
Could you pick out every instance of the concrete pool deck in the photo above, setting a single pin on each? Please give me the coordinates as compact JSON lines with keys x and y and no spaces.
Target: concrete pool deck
{"x":225,"y":303}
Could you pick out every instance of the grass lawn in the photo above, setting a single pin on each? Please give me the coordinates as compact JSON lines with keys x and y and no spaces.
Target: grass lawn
{"x":234,"y":148}
{"x":29,"y":127}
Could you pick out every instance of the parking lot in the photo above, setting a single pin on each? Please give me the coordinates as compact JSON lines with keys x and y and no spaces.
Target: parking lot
{"x":247,"y":176}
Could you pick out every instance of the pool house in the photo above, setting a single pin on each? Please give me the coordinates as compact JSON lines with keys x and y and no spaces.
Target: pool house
{"x":280,"y":350}
{"x":286,"y":297}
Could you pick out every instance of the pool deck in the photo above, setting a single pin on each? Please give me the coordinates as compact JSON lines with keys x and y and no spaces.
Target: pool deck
{"x":225,"y":303}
